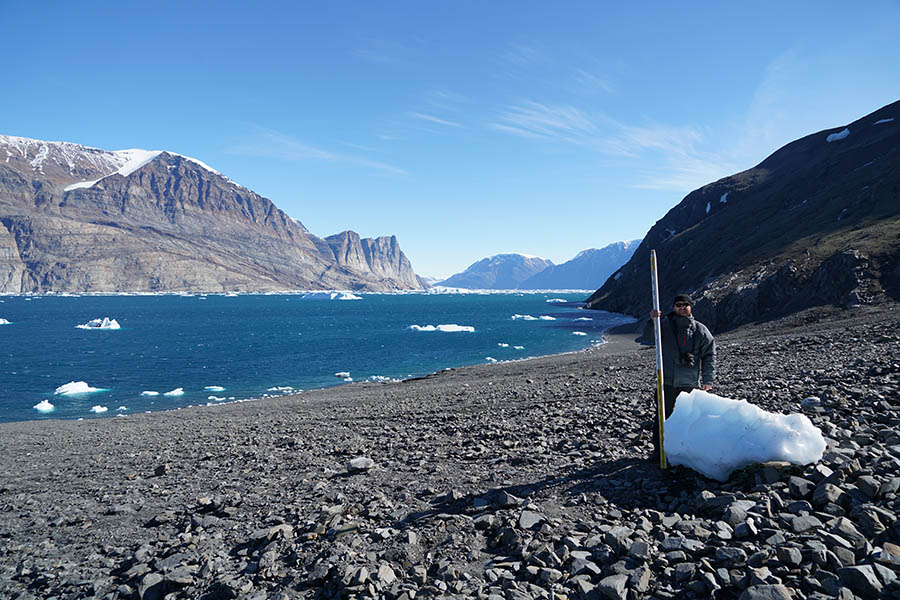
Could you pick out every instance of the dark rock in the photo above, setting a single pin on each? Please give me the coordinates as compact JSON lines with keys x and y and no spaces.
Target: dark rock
{"x":861,"y":579}
{"x":766,"y":592}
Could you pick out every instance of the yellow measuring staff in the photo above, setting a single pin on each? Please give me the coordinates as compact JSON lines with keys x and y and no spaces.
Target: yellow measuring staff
{"x":657,"y":332}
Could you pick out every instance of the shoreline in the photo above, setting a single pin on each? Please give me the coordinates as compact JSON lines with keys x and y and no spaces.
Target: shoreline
{"x":474,"y":477}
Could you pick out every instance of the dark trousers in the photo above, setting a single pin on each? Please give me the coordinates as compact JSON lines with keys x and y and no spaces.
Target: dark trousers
{"x":669,"y":394}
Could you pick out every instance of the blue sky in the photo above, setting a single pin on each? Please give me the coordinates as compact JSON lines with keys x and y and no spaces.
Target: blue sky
{"x":465,"y":128}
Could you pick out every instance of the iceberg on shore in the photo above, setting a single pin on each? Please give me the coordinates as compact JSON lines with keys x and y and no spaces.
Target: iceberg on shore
{"x":44,"y":406}
{"x":715,"y":436}
{"x":331,"y":296}
{"x":104,"y":323}
{"x":75,"y":387}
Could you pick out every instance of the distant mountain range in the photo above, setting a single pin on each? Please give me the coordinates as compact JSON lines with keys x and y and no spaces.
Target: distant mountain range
{"x":79,"y":219}
{"x":586,"y":270}
{"x":817,"y":222}
{"x":519,"y":271}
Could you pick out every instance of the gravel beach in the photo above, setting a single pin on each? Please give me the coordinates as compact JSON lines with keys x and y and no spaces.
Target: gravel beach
{"x":521,"y":480}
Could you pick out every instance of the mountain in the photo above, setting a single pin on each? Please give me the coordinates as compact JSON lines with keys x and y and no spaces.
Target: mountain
{"x":499,"y":272}
{"x":815,"y":223}
{"x":79,"y":219}
{"x":586,"y":270}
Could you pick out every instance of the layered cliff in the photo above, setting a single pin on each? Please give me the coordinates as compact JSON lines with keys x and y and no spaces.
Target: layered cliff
{"x":78,"y":219}
{"x":817,"y":222}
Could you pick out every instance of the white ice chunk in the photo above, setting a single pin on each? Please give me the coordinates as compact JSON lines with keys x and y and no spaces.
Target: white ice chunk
{"x":331,"y":296}
{"x":104,"y":323}
{"x":75,"y":387}
{"x":523,"y":318}
{"x":555,"y":300}
{"x":214,"y":388}
{"x":121,"y":408}
{"x":44,"y":406}
{"x":584,"y":319}
{"x":490,"y":359}
{"x":881,"y":121}
{"x":342,"y":374}
{"x":715,"y":435}
{"x":4,"y":322}
{"x":175,"y":392}
{"x":503,"y":345}
{"x":518,"y":347}
{"x":838,"y":136}
{"x":446,"y":328}
{"x":99,"y":409}
{"x":547,"y":318}
{"x":578,"y":333}
{"x":348,"y":379}
{"x":382,"y":379}
{"x":149,"y":393}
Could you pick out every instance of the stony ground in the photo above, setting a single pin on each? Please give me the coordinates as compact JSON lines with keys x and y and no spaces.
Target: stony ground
{"x":512,"y":481}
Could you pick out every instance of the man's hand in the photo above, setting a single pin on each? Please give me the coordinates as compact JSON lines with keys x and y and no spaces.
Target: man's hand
{"x":655,"y":314}
{"x":706,"y":387}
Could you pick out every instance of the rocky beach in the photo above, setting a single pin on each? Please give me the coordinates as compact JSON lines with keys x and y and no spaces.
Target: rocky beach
{"x":516,"y":481}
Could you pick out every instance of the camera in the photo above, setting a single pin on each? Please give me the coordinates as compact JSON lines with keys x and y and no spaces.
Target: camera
{"x":686,"y":358}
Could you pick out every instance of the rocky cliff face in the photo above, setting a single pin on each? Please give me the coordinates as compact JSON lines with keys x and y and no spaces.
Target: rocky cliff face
{"x":586,"y":270}
{"x":77,"y":219}
{"x":817,"y":222}
{"x":499,"y":272}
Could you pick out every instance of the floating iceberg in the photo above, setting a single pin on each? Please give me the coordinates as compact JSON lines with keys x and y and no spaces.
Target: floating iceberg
{"x":503,"y":345}
{"x":149,"y":393}
{"x":122,"y":408}
{"x":331,"y":296}
{"x":578,"y":333}
{"x":4,"y":322}
{"x":715,"y":435}
{"x":214,"y":388}
{"x":75,"y":387}
{"x":518,"y":347}
{"x":342,"y":374}
{"x":99,"y":409}
{"x":556,"y":300}
{"x":381,"y":379}
{"x":523,"y":318}
{"x":175,"y":392}
{"x":447,"y":328}
{"x":104,"y":323}
{"x":547,"y":318}
{"x":44,"y":406}
{"x":838,"y":136}
{"x":490,"y":359}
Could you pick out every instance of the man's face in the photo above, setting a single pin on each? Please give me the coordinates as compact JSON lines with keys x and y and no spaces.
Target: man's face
{"x":682,"y":309}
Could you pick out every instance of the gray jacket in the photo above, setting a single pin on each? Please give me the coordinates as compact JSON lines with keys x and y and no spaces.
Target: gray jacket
{"x":687,"y":336}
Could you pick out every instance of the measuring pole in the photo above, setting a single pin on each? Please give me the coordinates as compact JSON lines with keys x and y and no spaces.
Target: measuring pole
{"x":657,"y":331}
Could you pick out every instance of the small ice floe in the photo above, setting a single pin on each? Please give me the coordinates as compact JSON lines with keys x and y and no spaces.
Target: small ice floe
{"x":98,"y":409}
{"x":44,"y":406}
{"x":882,"y":121}
{"x":175,"y":392}
{"x":122,"y":408}
{"x":518,"y":317}
{"x":838,"y":136}
{"x":547,"y":318}
{"x":556,"y":300}
{"x":578,"y":333}
{"x":502,"y":345}
{"x":715,"y":436}
{"x":75,"y":387}
{"x":285,"y":389}
{"x":216,"y":398}
{"x":348,"y":379}
{"x":342,"y":374}
{"x":4,"y":322}
{"x":149,"y":393}
{"x":518,"y":347}
{"x":104,"y":323}
{"x":584,"y":319}
{"x":382,"y":379}
{"x":490,"y":359}
{"x":214,"y":388}
{"x":445,"y":328}
{"x":330,"y":296}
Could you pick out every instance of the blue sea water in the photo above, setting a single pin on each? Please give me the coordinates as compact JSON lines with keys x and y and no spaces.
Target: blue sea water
{"x":258,"y":345}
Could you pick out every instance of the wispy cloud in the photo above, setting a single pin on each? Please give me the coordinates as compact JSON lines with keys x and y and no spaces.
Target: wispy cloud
{"x":268,"y":143}
{"x":535,"y":120}
{"x":433,"y":119}
{"x":585,"y":81}
{"x":524,"y":55}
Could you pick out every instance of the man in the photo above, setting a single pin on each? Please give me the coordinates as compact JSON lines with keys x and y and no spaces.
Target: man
{"x":689,"y":355}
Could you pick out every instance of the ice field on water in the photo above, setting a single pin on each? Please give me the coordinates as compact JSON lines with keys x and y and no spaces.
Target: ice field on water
{"x":59,"y":359}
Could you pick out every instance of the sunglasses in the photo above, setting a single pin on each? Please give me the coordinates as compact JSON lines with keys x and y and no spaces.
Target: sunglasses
{"x":681,"y":304}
